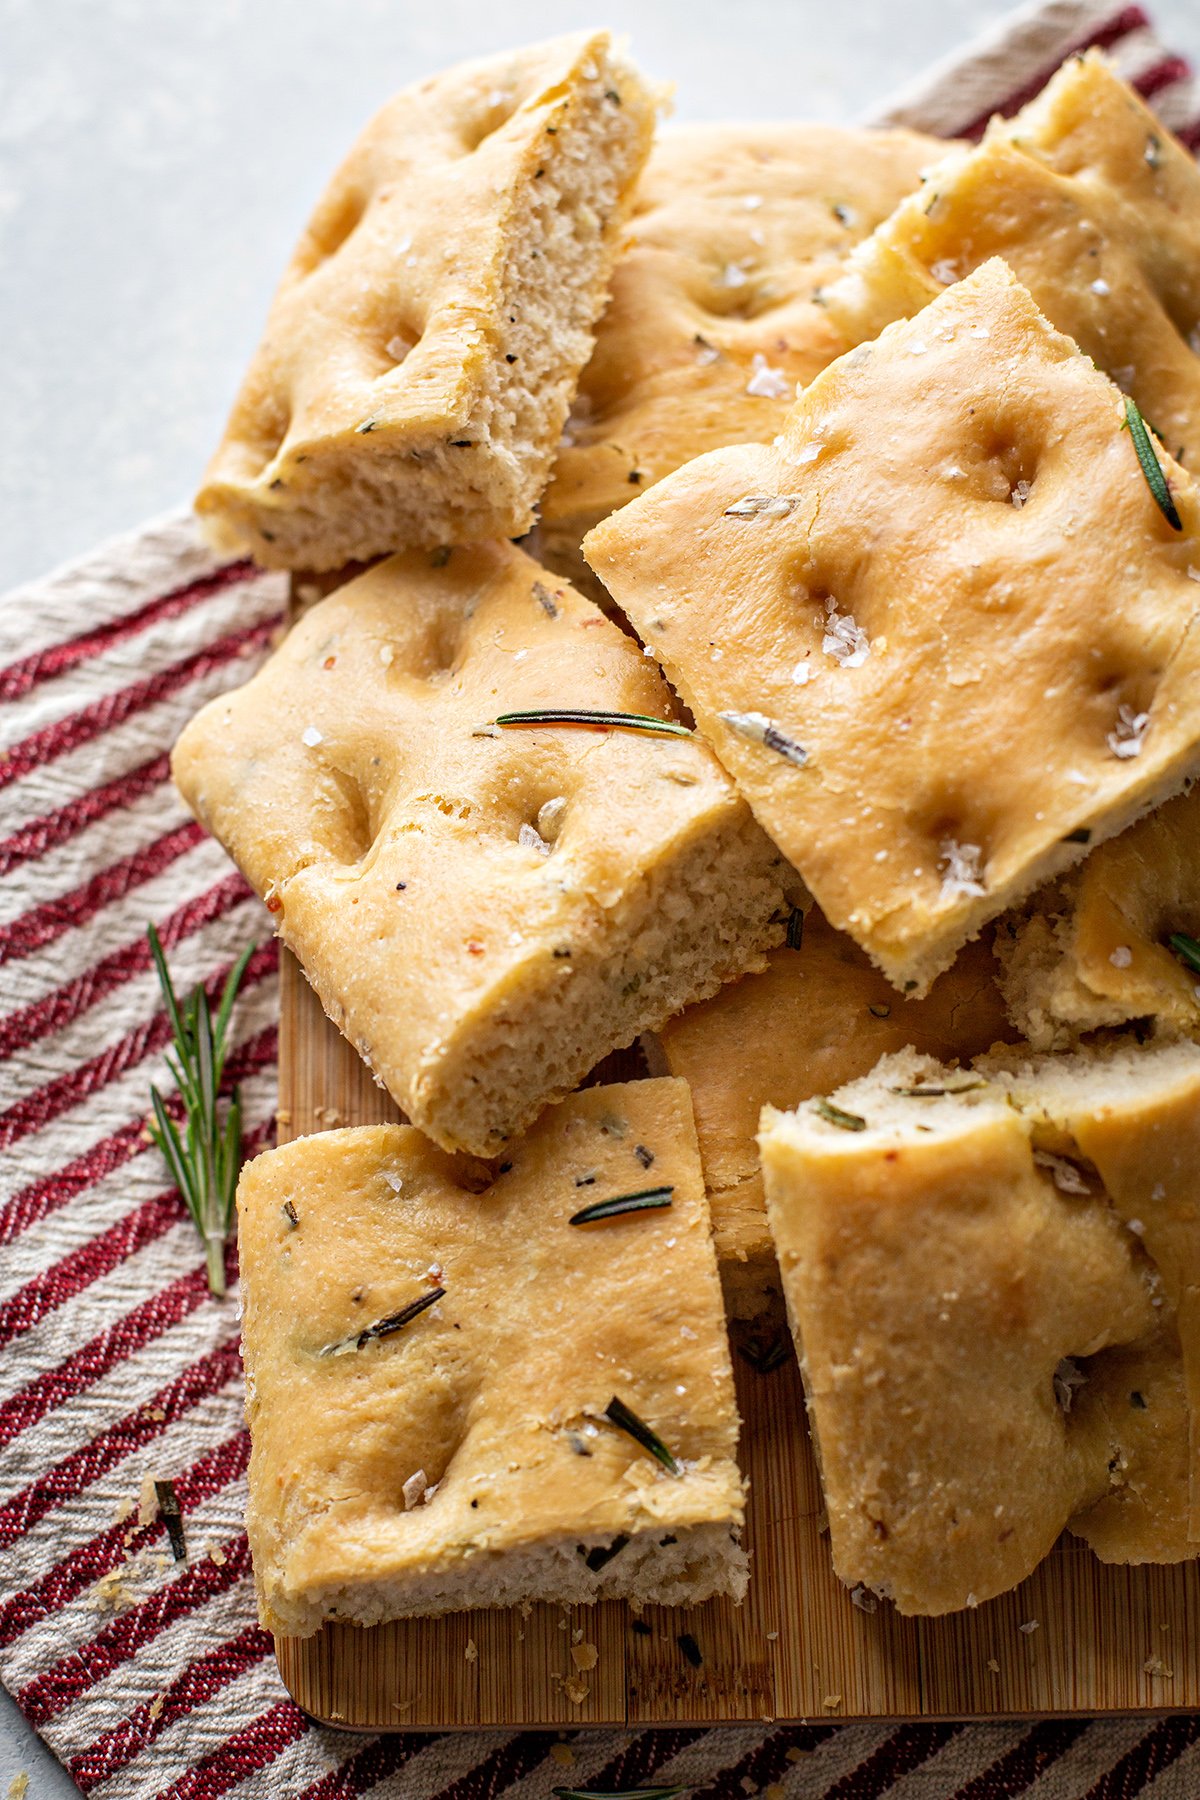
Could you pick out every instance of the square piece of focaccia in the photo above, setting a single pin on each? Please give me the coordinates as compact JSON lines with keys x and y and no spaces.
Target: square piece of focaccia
{"x":1091,"y":949}
{"x":484,"y":911}
{"x":466,"y":1454}
{"x":1096,"y":209}
{"x":423,"y":347}
{"x":938,"y":633}
{"x":990,"y":1339}
{"x":711,"y":323}
{"x":1132,"y":1115}
{"x":817,"y":1017}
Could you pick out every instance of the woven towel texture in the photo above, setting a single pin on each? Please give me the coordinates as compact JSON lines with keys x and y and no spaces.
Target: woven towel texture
{"x":147,"y":1676}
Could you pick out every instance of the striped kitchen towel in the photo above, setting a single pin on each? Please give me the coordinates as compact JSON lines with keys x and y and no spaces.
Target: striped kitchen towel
{"x":150,"y":1676}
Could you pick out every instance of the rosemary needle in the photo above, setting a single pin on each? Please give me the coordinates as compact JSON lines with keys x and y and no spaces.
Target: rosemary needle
{"x":652,"y":1793}
{"x":627,"y":1420}
{"x":834,"y":1115}
{"x":578,"y":715}
{"x":206,"y":1160}
{"x":643,"y":1201}
{"x":1156,"y":481}
{"x":1186,"y":949}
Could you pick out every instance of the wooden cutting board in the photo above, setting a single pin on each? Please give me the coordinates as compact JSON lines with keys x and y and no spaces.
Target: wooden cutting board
{"x":1106,"y":1639}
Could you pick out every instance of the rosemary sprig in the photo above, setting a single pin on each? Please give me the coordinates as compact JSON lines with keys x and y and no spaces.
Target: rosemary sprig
{"x":650,"y":1793}
{"x":206,"y":1160}
{"x":643,"y":1201}
{"x":626,"y":1419}
{"x":384,"y":1327}
{"x":1151,"y":468}
{"x":1186,"y":949}
{"x":833,"y":1115}
{"x":578,"y":715}
{"x":936,"y":1093}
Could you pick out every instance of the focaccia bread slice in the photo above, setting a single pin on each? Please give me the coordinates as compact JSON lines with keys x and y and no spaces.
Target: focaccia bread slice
{"x":711,"y":323}
{"x":484,"y":911}
{"x":967,"y":1311}
{"x":1090,"y":950}
{"x":818,"y":1016}
{"x":1134,"y":1114}
{"x":423,"y":348}
{"x":1096,"y":209}
{"x":467,"y":1456}
{"x":938,"y":633}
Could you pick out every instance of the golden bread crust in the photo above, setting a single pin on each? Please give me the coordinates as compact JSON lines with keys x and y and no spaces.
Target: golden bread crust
{"x":936,"y":1284}
{"x":1096,"y":209}
{"x":1091,"y":950}
{"x":423,"y":347}
{"x":480,"y":967}
{"x":985,"y":678}
{"x":1135,"y":1114}
{"x":734,"y":228}
{"x":815,"y":1018}
{"x":497,"y":1394}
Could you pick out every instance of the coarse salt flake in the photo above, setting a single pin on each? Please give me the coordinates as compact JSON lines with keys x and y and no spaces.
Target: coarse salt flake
{"x":946,"y":272}
{"x":1121,"y":957}
{"x":844,"y":641}
{"x":397,"y":348}
{"x":312,"y":737}
{"x":414,"y":1490}
{"x":807,"y":453}
{"x":1100,"y":286}
{"x":766,"y":383}
{"x":1020,"y":494}
{"x":801,"y":674}
{"x":918,"y":349}
{"x":1030,"y":1626}
{"x":962,"y":865}
{"x":732,"y":276}
{"x":1130,"y":734}
{"x":752,"y":202}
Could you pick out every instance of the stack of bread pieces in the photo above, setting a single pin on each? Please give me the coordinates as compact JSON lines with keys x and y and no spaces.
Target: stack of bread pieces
{"x":828,"y":736}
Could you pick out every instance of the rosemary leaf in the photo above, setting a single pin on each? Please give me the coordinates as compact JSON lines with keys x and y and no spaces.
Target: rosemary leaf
{"x":833,"y":1115}
{"x":756,"y":728}
{"x":651,"y":1793}
{"x":578,"y":715}
{"x":205,"y":1161}
{"x":625,"y":1419}
{"x":795,"y":929}
{"x":935,"y":1093}
{"x":171,"y":1514}
{"x":1151,"y":468}
{"x":384,"y":1327}
{"x":643,"y":1201}
{"x":1186,"y":949}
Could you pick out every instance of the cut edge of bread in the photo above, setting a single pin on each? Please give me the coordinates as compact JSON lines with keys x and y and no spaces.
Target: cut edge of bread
{"x":704,"y":916}
{"x":659,"y":1565}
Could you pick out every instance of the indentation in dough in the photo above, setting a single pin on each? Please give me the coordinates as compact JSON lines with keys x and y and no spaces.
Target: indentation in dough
{"x":997,"y":464}
{"x":496,"y":108}
{"x":338,"y":215}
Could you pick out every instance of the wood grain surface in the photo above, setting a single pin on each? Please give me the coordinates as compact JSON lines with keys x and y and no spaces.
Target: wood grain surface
{"x":1106,"y":1639}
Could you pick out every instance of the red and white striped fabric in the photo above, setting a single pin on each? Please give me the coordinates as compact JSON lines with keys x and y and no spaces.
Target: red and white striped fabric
{"x":157,"y":1681}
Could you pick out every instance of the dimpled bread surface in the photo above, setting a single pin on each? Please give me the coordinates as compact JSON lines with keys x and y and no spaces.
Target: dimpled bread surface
{"x":484,"y":912}
{"x":815,"y":1018}
{"x":1091,"y":949}
{"x":1134,"y":1113}
{"x":423,"y":348}
{"x":938,"y":633}
{"x":711,"y":322}
{"x":1096,"y":209}
{"x":970,"y":1321}
{"x":465,"y":1459}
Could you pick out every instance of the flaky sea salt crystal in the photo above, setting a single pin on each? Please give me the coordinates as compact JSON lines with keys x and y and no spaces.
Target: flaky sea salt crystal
{"x":961,"y":863}
{"x":844,"y":641}
{"x":1121,"y":957}
{"x":312,"y":737}
{"x":1020,"y":494}
{"x":946,"y":272}
{"x":1130,"y":734}
{"x":397,"y":349}
{"x":733,"y":276}
{"x":765,"y":382}
{"x":1100,"y":286}
{"x":533,"y":840}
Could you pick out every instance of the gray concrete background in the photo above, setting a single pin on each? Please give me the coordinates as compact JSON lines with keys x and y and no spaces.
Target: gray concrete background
{"x":158,"y":158}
